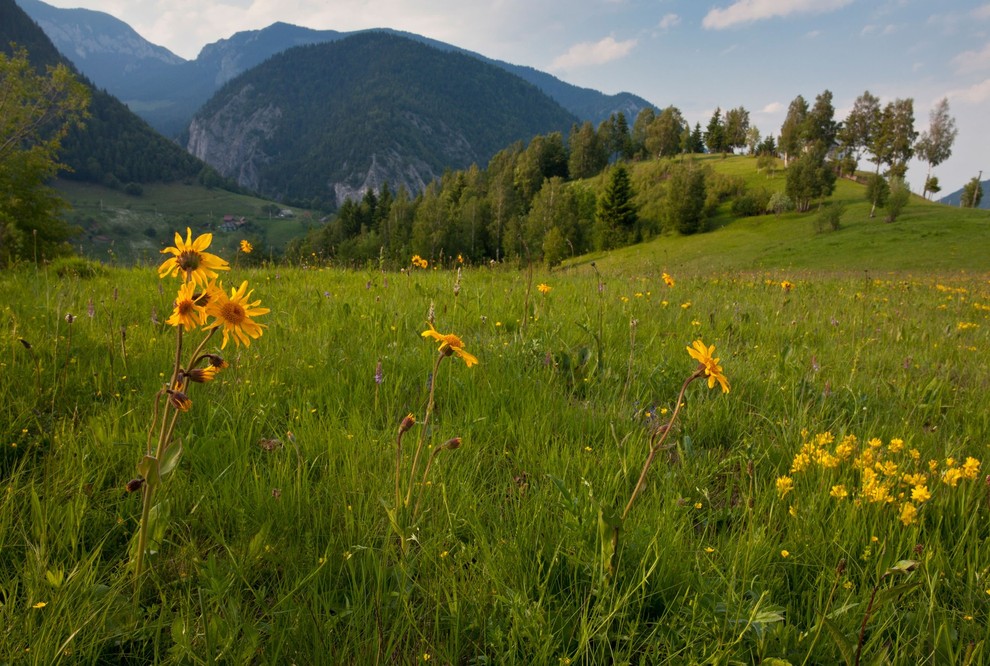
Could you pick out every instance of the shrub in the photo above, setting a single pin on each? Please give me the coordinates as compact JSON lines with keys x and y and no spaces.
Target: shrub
{"x":829,"y":217}
{"x":751,"y":204}
{"x":899,"y":195}
{"x":77,"y":267}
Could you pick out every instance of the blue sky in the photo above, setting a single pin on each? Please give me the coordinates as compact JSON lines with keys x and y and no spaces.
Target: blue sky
{"x":695,"y":55}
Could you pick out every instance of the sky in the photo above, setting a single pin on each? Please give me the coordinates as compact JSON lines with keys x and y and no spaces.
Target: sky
{"x":693,"y":54}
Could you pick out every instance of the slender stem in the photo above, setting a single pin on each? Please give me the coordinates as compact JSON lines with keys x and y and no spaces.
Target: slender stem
{"x":862,"y":627}
{"x":656,"y":447}
{"x":422,"y":485}
{"x":828,"y":604}
{"x":154,"y":420}
{"x":422,"y":432}
{"x":142,"y":538}
{"x":398,"y":464}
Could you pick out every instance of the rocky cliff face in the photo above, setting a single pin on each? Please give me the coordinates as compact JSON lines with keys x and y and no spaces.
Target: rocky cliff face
{"x":232,"y":140}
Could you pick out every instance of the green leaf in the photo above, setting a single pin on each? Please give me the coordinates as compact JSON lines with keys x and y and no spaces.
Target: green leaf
{"x":149,"y":470}
{"x":894,"y":593}
{"x":170,"y":458}
{"x":844,"y":644}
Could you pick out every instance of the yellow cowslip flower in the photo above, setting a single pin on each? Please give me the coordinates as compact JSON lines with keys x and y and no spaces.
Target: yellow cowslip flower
{"x":915,"y":479}
{"x":246,"y":247}
{"x":839,"y":492}
{"x":908,"y":513}
{"x":785,"y":484}
{"x":190,"y":258}
{"x":667,"y":280}
{"x":234,"y":314}
{"x":875,"y":443}
{"x":544,"y":288}
{"x":709,"y":365}
{"x":188,"y":312}
{"x":971,"y":468}
{"x":895,"y":445}
{"x":450,"y":344}
{"x":920,"y":494}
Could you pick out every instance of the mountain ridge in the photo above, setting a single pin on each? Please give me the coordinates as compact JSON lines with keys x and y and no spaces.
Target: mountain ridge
{"x":330,"y":121}
{"x":194,"y":81}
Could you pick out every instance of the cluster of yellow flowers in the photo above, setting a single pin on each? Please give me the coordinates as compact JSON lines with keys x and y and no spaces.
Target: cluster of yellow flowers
{"x":419,"y":262}
{"x":210,"y":307}
{"x":875,"y":473}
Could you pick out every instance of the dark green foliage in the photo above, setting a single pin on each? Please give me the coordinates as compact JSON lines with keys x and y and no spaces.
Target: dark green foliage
{"x":809,"y":178}
{"x":715,"y":137}
{"x":751,"y":203}
{"x":588,"y":155}
{"x":114,"y":146}
{"x":898,"y":199}
{"x":615,"y":213}
{"x":972,"y":194}
{"x":877,"y":191}
{"x":684,"y":205}
{"x":378,"y":97}
{"x":829,"y":218}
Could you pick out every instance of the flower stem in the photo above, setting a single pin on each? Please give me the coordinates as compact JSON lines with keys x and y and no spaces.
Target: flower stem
{"x":657,"y":445}
{"x":422,"y":432}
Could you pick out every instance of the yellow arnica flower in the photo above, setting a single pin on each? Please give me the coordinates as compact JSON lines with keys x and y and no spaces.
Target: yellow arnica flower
{"x":786,"y":285}
{"x":450,"y":344}
{"x":544,"y":288}
{"x":246,"y":247}
{"x":713,"y":370}
{"x":187,"y":313}
{"x":190,"y":258}
{"x":667,"y":280}
{"x":235,"y":314}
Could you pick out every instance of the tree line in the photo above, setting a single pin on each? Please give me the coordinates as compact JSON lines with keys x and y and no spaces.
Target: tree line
{"x":557,"y":197}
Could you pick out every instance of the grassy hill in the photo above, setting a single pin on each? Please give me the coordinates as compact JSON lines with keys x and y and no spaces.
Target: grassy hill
{"x":118,"y":227}
{"x":927,"y":237}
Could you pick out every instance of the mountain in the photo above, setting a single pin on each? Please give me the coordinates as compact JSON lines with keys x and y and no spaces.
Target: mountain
{"x":115,"y":146}
{"x":166,"y":90}
{"x":954,"y":198}
{"x":327,"y":122}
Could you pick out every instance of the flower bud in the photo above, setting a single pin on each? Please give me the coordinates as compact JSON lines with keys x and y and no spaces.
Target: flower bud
{"x":134,"y":485}
{"x":408,"y":422}
{"x":452,"y":444}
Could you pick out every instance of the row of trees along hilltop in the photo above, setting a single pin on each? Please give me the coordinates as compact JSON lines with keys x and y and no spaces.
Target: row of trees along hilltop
{"x":557,"y":197}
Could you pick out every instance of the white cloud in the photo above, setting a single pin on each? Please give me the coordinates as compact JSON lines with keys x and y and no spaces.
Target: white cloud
{"x":982,"y":12}
{"x":812,"y":34}
{"x":669,"y":21}
{"x":772,"y":107}
{"x":593,"y":53}
{"x":749,"y":11}
{"x":972,"y":61}
{"x":977,"y":93}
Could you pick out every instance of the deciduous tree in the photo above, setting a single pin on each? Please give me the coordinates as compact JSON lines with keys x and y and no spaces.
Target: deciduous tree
{"x":36,"y":111}
{"x":935,"y":144}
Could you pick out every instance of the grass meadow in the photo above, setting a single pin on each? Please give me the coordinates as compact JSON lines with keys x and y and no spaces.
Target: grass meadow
{"x":773,"y":529}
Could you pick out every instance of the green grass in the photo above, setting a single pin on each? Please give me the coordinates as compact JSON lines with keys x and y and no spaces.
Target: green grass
{"x":125,"y":229}
{"x":288,"y":556}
